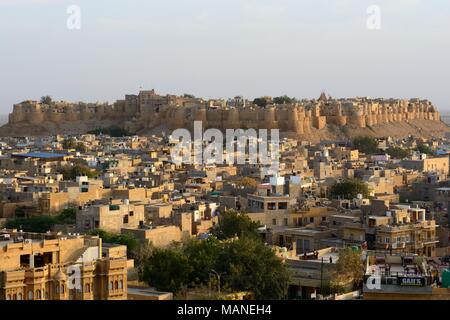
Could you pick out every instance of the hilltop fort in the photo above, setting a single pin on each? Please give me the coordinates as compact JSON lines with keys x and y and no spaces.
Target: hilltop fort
{"x":149,"y":112}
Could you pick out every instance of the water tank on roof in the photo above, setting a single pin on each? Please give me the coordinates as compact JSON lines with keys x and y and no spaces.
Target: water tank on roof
{"x":277,"y":181}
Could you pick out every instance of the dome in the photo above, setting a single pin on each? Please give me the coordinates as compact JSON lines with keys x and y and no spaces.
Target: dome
{"x":60,"y":276}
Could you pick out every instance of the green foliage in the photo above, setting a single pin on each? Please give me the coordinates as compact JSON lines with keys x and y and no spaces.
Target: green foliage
{"x":202,"y":255}
{"x":140,"y":255}
{"x":167,"y":270}
{"x":42,"y":224}
{"x":349,"y":189}
{"x":245,"y":264}
{"x":398,"y":153}
{"x":233,"y":223}
{"x":422,"y":148}
{"x":70,"y":143}
{"x":125,"y":239}
{"x":80,"y":147}
{"x":250,"y":265}
{"x":37,"y":224}
{"x":366,"y":145}
{"x":189,"y":96}
{"x":71,"y":172}
{"x":113,"y":131}
{"x":349,"y":268}
{"x":261,"y":102}
{"x":283,"y":100}
{"x":46,"y":100}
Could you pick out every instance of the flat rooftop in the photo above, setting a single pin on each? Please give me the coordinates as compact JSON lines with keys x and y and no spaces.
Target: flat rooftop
{"x":39,"y":155}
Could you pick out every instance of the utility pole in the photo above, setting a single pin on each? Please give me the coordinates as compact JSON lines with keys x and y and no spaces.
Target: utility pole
{"x":218,"y":278}
{"x":321,"y":277}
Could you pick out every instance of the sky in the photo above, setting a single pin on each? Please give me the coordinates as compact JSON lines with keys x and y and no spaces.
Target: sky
{"x":224,"y":48}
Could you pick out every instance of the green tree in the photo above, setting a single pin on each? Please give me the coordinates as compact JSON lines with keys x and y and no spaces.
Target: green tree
{"x":126,"y":239}
{"x":366,"y":145}
{"x":202,"y":256}
{"x":349,"y":189}
{"x":249,"y":265}
{"x":68,"y":216}
{"x":167,"y":270}
{"x":349,"y":268}
{"x":71,"y":172}
{"x":140,"y":255}
{"x":70,"y":143}
{"x":283,"y":100}
{"x":423,"y":148}
{"x":80,"y":147}
{"x":113,"y":131}
{"x":46,"y":100}
{"x":233,"y":223}
{"x":261,"y":102}
{"x":398,"y":153}
{"x":37,"y":224}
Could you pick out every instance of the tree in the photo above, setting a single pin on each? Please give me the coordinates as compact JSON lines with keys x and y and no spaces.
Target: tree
{"x":349,"y":189}
{"x":249,"y":265}
{"x":68,"y":216}
{"x":71,"y":172}
{"x":247,"y":182}
{"x":261,"y":102}
{"x":422,"y":148}
{"x":81,"y":147}
{"x":167,"y":270}
{"x":142,"y":253}
{"x":233,"y":223}
{"x":349,"y":268}
{"x":113,"y":131}
{"x":366,"y":145}
{"x":126,"y":239}
{"x":70,"y":143}
{"x":46,"y":100}
{"x":189,"y":96}
{"x":202,"y":256}
{"x":42,"y":224}
{"x":283,"y":100}
{"x":398,"y":153}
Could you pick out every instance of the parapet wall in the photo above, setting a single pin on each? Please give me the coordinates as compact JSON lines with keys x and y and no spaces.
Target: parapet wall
{"x":148,"y":110}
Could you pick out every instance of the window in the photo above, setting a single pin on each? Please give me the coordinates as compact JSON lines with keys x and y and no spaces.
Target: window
{"x":274,"y":222}
{"x":19,"y":296}
{"x":387,"y":240}
{"x":282,"y":205}
{"x":285,"y":221}
{"x":116,"y":285}
{"x":271,"y":206}
{"x":63,"y":289}
{"x":38,"y":294}
{"x":30,"y":295}
{"x":311,"y":220}
{"x":120,"y":284}
{"x":125,"y":219}
{"x":110,"y":286}
{"x":8,"y":297}
{"x":87,"y":288}
{"x":324,"y":218}
{"x":131,"y":213}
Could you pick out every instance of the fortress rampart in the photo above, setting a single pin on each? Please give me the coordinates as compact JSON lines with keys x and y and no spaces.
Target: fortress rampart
{"x":148,"y":110}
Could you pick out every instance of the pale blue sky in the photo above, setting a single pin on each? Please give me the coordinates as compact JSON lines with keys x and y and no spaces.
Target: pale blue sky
{"x":222,"y":48}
